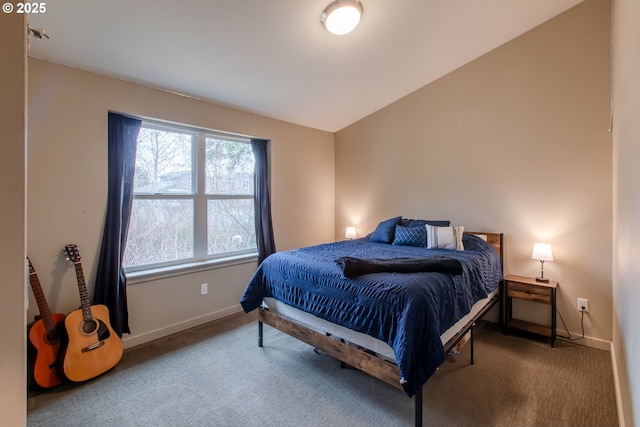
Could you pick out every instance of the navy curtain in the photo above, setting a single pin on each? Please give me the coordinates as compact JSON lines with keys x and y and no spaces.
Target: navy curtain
{"x":262,"y":198}
{"x":111,"y":282}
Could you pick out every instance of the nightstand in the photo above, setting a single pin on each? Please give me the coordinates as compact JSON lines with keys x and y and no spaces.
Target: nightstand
{"x":528,"y":289}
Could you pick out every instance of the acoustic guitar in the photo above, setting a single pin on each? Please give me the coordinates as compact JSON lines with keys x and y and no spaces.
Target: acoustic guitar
{"x":93,"y":347}
{"x":45,"y":337}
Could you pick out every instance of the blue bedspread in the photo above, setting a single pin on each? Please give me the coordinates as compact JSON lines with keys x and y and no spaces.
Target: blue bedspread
{"x":408,"y":311}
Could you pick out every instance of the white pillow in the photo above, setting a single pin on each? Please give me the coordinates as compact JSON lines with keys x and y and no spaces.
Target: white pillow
{"x":445,"y":237}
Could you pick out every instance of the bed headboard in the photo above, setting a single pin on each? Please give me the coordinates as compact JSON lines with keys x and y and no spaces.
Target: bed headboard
{"x":494,"y":239}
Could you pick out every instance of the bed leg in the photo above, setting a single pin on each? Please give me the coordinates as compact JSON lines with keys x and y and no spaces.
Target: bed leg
{"x":471,"y":341}
{"x":418,"y":406}
{"x":259,"y":333}
{"x":342,"y":364}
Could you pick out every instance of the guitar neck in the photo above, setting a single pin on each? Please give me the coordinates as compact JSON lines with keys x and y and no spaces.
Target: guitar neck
{"x":84,"y":293}
{"x":43,"y":307}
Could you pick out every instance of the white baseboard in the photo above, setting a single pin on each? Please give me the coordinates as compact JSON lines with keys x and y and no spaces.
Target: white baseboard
{"x":598,"y":343}
{"x":135,"y":340}
{"x":616,"y":384}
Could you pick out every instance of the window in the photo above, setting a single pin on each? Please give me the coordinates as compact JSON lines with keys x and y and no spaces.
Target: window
{"x":193,"y":198}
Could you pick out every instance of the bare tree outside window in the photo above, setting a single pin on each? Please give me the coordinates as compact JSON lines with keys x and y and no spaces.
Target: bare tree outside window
{"x":173,"y":221}
{"x":164,"y":162}
{"x":229,"y":179}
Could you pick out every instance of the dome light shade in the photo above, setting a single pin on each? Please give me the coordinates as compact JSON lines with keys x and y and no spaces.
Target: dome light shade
{"x":342,"y":16}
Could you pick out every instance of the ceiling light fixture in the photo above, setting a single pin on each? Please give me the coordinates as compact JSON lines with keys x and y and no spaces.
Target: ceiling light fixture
{"x":341,"y":16}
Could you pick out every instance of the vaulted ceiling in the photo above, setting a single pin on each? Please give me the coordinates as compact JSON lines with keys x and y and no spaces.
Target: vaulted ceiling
{"x":273,"y":57}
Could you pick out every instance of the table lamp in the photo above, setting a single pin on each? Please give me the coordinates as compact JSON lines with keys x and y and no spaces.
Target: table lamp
{"x":542,"y":252}
{"x":350,"y":233}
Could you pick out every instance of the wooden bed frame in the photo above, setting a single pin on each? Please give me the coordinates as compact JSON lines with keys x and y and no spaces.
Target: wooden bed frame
{"x":363,"y":359}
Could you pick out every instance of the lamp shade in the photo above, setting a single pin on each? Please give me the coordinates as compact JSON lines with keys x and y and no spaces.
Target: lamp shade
{"x":341,"y":16}
{"x":542,"y":252}
{"x":350,"y":233}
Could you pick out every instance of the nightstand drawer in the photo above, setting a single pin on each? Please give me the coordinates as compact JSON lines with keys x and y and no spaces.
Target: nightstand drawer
{"x":527,"y":292}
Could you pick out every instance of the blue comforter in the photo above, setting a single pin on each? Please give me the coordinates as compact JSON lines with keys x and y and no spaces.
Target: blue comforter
{"x":408,"y":311}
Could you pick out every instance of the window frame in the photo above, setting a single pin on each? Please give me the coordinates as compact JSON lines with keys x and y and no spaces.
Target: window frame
{"x":201,"y":259}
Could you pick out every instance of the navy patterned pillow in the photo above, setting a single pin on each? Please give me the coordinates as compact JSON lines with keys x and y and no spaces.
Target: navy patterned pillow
{"x":411,"y":236}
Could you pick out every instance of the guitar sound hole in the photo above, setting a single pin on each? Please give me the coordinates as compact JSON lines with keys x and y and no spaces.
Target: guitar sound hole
{"x":89,"y":326}
{"x":53,"y":336}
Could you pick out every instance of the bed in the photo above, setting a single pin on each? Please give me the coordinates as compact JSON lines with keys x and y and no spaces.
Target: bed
{"x":391,"y":308}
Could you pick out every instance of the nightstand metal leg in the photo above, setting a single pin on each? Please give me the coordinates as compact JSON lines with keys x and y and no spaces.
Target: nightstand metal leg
{"x":471,"y":340}
{"x":553,"y":317}
{"x":502,"y":297}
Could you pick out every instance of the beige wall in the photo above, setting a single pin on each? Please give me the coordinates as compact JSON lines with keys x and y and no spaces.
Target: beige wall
{"x":537,"y":104}
{"x":13,"y":108}
{"x":516,"y":142}
{"x":626,"y":207}
{"x":67,"y":191}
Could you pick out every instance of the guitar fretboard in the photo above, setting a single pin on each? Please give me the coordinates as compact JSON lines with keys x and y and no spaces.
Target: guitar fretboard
{"x":43,"y":307}
{"x":84,"y":294}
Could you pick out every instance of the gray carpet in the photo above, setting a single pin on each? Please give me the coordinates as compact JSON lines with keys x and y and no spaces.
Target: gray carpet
{"x":215,"y":375}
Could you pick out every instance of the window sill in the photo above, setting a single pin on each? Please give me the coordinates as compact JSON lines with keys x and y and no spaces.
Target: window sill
{"x":136,"y":277}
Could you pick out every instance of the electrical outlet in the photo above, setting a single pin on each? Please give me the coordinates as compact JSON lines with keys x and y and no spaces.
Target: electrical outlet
{"x":204,"y":288}
{"x":583,"y":304}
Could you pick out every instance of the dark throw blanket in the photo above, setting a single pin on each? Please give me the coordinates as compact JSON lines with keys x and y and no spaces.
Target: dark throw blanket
{"x":354,"y":267}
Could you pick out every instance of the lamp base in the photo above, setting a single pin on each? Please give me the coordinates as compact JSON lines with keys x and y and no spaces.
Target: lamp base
{"x":542,"y":279}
